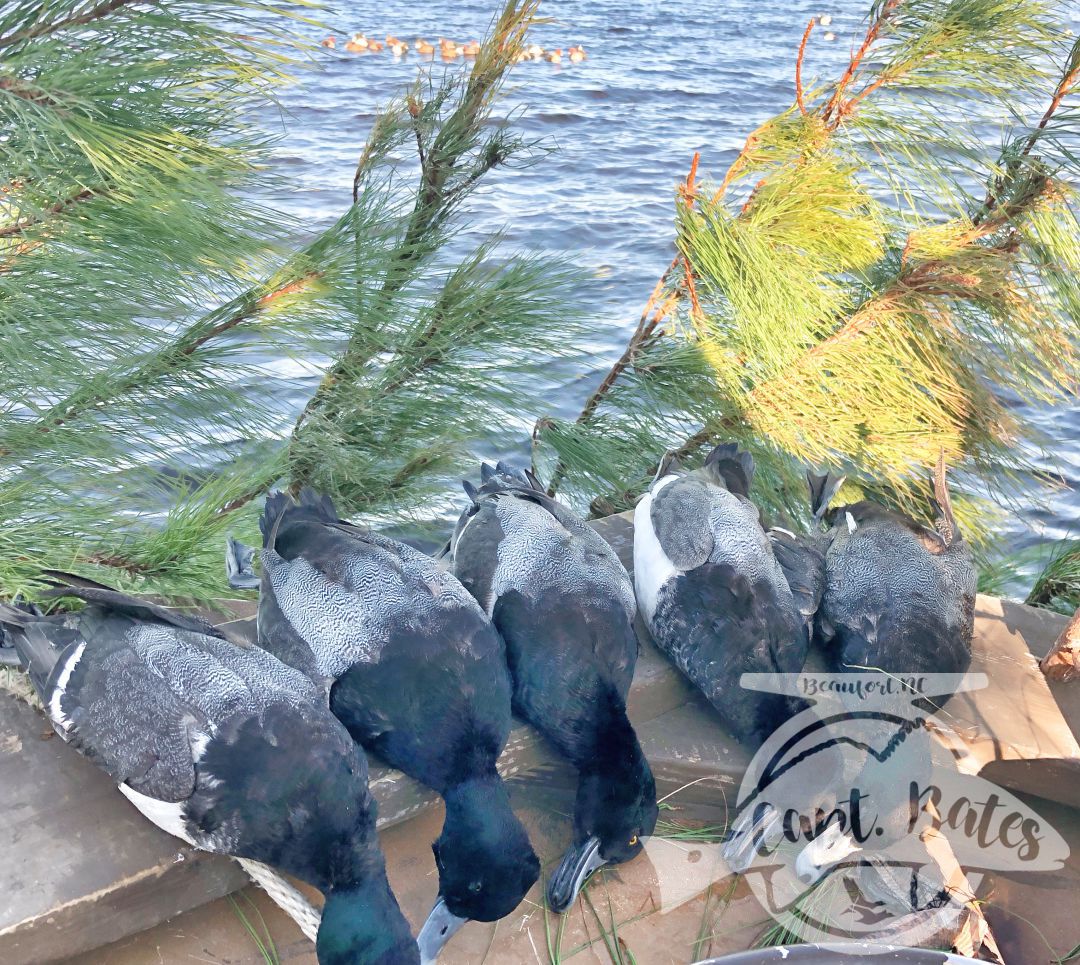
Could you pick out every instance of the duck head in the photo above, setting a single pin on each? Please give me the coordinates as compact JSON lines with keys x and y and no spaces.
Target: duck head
{"x":485,"y":861}
{"x":614,"y":813}
{"x":363,"y":923}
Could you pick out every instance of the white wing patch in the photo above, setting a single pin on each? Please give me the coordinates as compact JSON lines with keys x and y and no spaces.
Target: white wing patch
{"x":55,"y":710}
{"x":167,"y":815}
{"x":652,"y":568}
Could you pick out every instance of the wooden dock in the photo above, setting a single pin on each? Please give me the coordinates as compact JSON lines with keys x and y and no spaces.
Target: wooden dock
{"x":81,"y":868}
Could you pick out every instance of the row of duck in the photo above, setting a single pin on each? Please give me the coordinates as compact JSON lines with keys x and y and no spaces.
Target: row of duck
{"x":449,"y":50}
{"x":368,"y":645}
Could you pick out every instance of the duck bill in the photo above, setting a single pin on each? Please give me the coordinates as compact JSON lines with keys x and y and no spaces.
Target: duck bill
{"x":580,"y":861}
{"x":441,"y":925}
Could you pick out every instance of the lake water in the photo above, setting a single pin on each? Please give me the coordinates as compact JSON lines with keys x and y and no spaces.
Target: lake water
{"x":662,"y":81}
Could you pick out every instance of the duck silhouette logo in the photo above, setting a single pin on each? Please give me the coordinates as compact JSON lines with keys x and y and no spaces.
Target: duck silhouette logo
{"x":853,"y":820}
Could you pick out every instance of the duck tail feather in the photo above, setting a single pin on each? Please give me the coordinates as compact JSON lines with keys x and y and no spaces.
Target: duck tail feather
{"x":733,"y":466}
{"x":822,"y":490}
{"x":319,"y":504}
{"x":133,"y":606}
{"x":311,"y":505}
{"x":240,"y":565}
{"x":669,"y":464}
{"x":27,"y":631}
{"x":946,"y":521}
{"x":277,"y":504}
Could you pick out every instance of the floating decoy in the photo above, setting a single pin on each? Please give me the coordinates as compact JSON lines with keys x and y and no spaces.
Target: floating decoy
{"x":416,"y":672}
{"x":899,"y":597}
{"x":330,"y":42}
{"x":553,"y":56}
{"x":712,"y":587}
{"x":577,"y":54}
{"x":564,"y":604}
{"x":471,"y":49}
{"x":222,"y":746}
{"x":399,"y":49}
{"x":357,"y":43}
{"x":423,"y":47}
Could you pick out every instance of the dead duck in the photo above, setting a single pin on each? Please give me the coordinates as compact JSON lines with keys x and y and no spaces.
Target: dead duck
{"x":899,"y":597}
{"x":715,"y":588}
{"x":564,"y":604}
{"x":223,"y":746}
{"x":416,"y":672}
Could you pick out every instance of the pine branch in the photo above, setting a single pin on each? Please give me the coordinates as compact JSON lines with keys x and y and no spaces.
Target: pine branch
{"x":834,"y":109}
{"x":110,"y":387}
{"x":1069,"y":79}
{"x":437,"y":194}
{"x":19,"y":227}
{"x":75,"y":20}
{"x":799,"y":96}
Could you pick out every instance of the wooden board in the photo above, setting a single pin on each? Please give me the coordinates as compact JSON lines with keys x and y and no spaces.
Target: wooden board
{"x":1014,"y":731}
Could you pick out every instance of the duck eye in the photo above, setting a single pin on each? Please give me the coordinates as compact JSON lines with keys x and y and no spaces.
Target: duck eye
{"x":475,"y":886}
{"x":633,"y":840}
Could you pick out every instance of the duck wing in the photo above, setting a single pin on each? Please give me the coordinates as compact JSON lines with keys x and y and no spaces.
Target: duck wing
{"x":142,"y":697}
{"x":802,"y":559}
{"x":335,"y":595}
{"x":680,"y":519}
{"x":520,"y":538}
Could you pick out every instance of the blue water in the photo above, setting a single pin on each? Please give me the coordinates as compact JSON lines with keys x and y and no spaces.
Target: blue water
{"x":662,"y":81}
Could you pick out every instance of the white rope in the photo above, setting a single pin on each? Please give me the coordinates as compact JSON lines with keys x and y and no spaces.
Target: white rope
{"x":284,"y":895}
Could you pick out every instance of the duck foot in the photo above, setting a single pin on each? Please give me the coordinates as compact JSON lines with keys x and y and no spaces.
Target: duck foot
{"x":239,"y":566}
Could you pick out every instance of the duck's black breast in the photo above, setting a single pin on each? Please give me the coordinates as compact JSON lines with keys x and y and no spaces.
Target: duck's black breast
{"x":288,"y":788}
{"x":415,"y":669}
{"x":565,"y":659}
{"x":717,"y":623}
{"x":563,"y":603}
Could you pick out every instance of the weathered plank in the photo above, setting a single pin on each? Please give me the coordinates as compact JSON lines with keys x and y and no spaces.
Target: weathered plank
{"x":80,"y":865}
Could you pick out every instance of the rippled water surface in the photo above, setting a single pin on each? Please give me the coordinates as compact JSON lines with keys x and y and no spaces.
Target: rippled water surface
{"x":662,"y":81}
